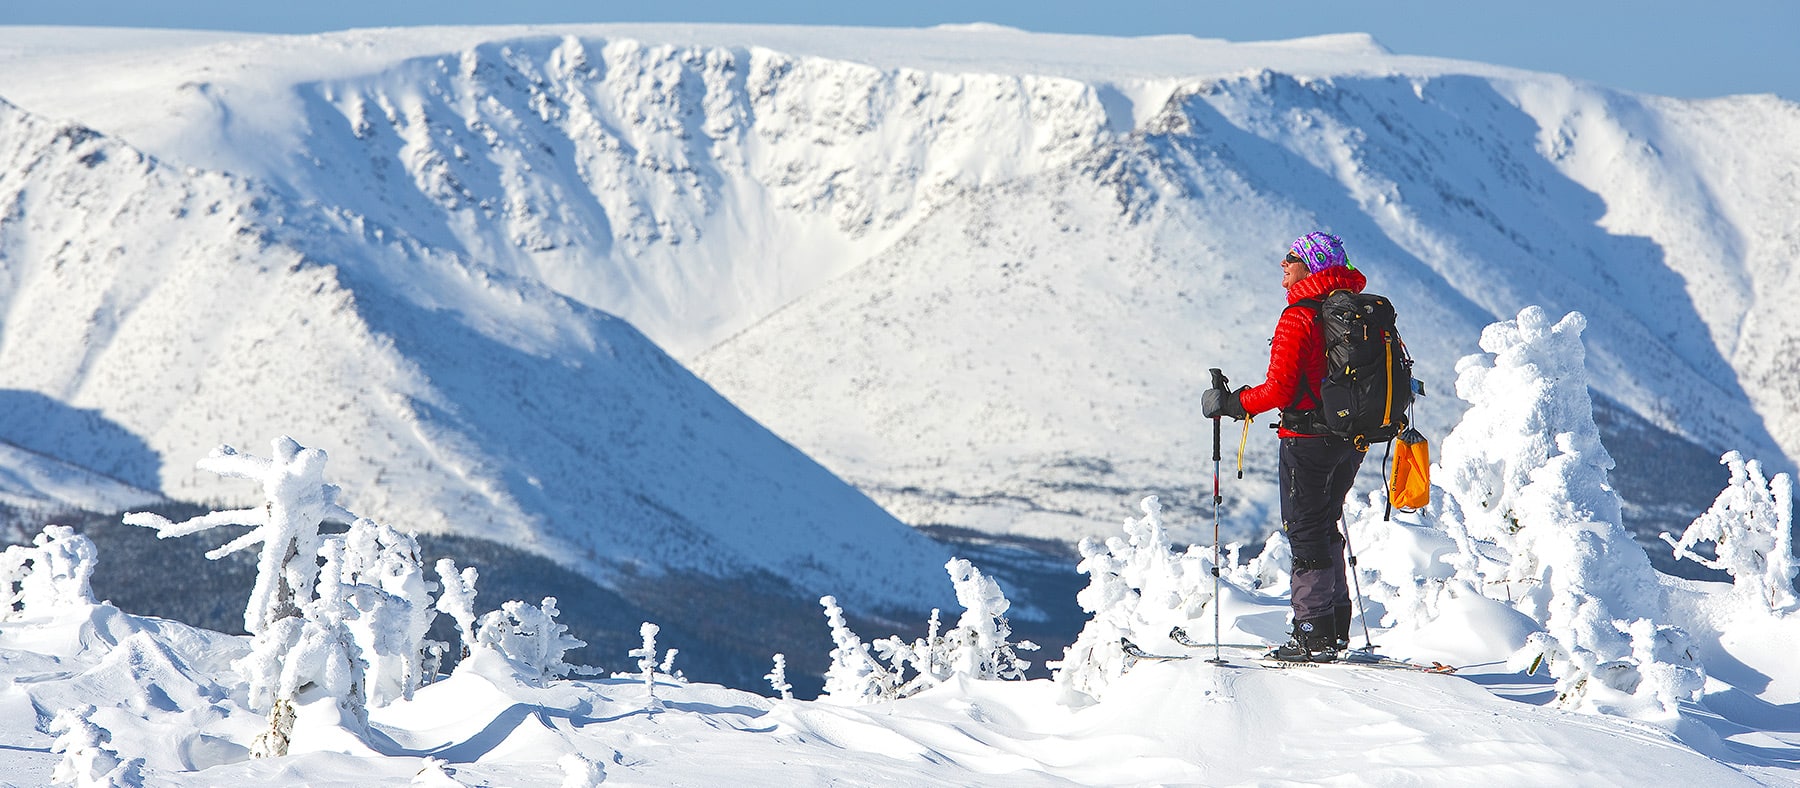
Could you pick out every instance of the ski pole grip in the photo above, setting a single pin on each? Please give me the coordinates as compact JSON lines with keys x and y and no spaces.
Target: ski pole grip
{"x":1218,"y":379}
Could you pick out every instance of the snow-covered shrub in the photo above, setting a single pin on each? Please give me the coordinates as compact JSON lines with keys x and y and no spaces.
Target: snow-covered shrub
{"x":1750,"y":526}
{"x":778,"y":680}
{"x":296,"y":644}
{"x":978,"y":647}
{"x":53,"y":572}
{"x":378,"y":574}
{"x":927,"y":658}
{"x":1537,"y":523}
{"x":1268,"y":572}
{"x":853,"y":676}
{"x":646,"y":661}
{"x":296,"y":501}
{"x":529,"y":637}
{"x":457,"y":599}
{"x":1136,"y":584}
{"x":88,"y":759}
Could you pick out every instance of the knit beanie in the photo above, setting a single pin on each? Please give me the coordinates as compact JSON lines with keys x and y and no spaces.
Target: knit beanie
{"x":1319,"y":251}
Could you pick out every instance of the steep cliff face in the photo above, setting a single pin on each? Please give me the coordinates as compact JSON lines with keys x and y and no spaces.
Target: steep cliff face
{"x":980,"y":273}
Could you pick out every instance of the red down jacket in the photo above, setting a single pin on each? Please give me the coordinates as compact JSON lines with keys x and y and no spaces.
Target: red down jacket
{"x":1298,"y":349}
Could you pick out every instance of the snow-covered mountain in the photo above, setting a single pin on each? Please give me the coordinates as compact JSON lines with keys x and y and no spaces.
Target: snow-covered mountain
{"x":155,"y":311}
{"x":34,"y":486}
{"x":978,"y":273}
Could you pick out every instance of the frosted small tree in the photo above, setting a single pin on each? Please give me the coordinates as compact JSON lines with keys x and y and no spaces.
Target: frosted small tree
{"x":457,"y":599}
{"x":530,"y":638}
{"x":52,"y":572}
{"x":927,"y":657}
{"x":778,"y":680}
{"x":89,"y":760}
{"x":296,"y":501}
{"x":853,"y":676}
{"x":1136,"y":584}
{"x":389,"y":607}
{"x":1751,"y":528}
{"x":646,"y":661}
{"x":1529,"y":504}
{"x":980,"y":646}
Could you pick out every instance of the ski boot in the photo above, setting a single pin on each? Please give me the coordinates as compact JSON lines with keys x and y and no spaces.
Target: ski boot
{"x":1314,"y":640}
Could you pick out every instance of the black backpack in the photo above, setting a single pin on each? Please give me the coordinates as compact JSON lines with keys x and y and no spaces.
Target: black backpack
{"x":1368,"y":384}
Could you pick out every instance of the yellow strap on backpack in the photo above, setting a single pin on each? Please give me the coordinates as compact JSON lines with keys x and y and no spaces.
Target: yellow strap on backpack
{"x":1409,"y":490}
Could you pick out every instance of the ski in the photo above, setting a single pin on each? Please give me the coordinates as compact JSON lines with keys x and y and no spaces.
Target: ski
{"x":1181,"y":636}
{"x":1136,"y":652}
{"x":1347,"y":657}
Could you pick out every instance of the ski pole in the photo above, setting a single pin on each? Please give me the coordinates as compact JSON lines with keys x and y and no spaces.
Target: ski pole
{"x":1362,"y":605}
{"x":1218,"y":382}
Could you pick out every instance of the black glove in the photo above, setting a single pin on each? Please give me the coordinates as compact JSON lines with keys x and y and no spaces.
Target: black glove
{"x":1219,"y":402}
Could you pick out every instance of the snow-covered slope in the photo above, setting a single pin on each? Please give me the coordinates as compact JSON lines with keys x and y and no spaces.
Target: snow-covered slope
{"x":182,"y":308}
{"x":166,"y":703}
{"x":981,"y":273}
{"x":33,"y":486}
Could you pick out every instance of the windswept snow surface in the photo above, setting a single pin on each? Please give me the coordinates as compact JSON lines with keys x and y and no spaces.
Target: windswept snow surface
{"x":169,"y":698}
{"x":977,"y":272}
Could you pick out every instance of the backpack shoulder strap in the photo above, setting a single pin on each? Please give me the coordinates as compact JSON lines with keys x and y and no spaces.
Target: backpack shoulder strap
{"x":1300,"y":391}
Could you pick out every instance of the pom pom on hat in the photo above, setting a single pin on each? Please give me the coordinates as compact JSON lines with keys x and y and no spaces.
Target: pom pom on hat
{"x":1319,"y":251}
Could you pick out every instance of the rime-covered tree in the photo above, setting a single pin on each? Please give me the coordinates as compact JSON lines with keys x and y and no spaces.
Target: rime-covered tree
{"x":778,"y":680}
{"x":854,"y":675}
{"x":89,"y":760}
{"x":1751,"y":528}
{"x":646,"y":662}
{"x":296,"y":500}
{"x":390,"y":605}
{"x":52,"y":572}
{"x":456,"y":599}
{"x":1136,"y":583}
{"x":530,"y":638}
{"x":980,"y":645}
{"x":287,"y":649}
{"x":1537,"y":522}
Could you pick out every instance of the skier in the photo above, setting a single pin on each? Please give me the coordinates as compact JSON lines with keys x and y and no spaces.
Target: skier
{"x":1316,"y":469}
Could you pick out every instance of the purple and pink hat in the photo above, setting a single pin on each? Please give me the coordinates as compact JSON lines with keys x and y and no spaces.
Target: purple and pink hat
{"x":1319,"y":251}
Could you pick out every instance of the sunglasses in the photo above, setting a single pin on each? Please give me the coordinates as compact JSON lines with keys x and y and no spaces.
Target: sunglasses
{"x":1292,"y":258}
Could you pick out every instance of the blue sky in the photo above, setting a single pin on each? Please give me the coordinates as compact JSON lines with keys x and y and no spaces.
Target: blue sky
{"x":1687,"y":48}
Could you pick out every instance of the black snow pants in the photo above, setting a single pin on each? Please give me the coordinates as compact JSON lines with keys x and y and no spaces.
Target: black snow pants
{"x":1316,"y":474}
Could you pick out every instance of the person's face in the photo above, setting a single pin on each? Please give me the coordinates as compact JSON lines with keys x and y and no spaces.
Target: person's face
{"x":1292,"y":271}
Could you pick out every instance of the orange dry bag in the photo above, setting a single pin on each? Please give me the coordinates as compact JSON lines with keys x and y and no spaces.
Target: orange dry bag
{"x":1409,"y":489}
